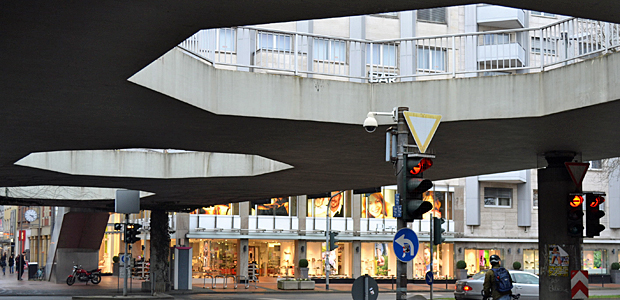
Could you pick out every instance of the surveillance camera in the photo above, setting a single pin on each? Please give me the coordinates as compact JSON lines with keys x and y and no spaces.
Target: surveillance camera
{"x":370,"y":124}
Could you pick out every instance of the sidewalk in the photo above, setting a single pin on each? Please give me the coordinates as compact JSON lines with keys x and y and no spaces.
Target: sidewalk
{"x":110,"y":285}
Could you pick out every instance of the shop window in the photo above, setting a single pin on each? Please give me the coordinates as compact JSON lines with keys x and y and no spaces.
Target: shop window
{"x":499,"y":197}
{"x":442,"y":204}
{"x":443,"y":261}
{"x":378,"y":260}
{"x":275,"y":207}
{"x":478,"y":259}
{"x":530,"y":261}
{"x":594,"y":261}
{"x":214,"y":256}
{"x":376,"y":206}
{"x":317,"y":207}
{"x":220,"y":209}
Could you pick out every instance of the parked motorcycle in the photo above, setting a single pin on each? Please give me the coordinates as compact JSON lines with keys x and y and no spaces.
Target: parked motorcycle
{"x":82,"y":275}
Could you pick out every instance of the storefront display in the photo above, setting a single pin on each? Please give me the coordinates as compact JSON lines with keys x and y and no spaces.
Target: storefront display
{"x":317,"y":207}
{"x":378,"y":205}
{"x":443,"y":258}
{"x":339,"y":260}
{"x":530,"y":261}
{"x":478,"y":259}
{"x":214,"y":256}
{"x":594,"y":261}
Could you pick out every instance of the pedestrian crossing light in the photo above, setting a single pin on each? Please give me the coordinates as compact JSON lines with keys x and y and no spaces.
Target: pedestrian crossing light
{"x":333,"y":240}
{"x":438,"y":231}
{"x":414,"y":205}
{"x":575,"y":215}
{"x":594,"y":214}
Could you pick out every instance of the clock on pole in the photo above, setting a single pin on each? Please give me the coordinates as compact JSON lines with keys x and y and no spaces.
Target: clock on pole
{"x":30,"y":215}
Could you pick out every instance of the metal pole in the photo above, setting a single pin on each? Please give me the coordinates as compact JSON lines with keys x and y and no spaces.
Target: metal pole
{"x":327,"y":230}
{"x":125,"y":263}
{"x":431,"y":244}
{"x":403,"y":138}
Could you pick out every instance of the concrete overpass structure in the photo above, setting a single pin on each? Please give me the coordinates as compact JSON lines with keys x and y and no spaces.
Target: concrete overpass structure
{"x":88,"y":77}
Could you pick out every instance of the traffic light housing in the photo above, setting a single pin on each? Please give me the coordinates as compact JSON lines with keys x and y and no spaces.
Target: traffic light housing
{"x":333,"y":240}
{"x":594,"y":214}
{"x":438,"y":231}
{"x":575,"y":215}
{"x":131,"y":233}
{"x":415,"y":185}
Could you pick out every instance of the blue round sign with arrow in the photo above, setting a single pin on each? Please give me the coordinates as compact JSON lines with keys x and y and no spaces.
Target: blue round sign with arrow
{"x":405,"y":244}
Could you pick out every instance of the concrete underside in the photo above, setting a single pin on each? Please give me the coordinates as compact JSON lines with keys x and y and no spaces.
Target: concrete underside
{"x":65,"y":87}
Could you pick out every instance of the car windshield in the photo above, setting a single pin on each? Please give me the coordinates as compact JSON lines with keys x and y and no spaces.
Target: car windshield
{"x":479,"y":275}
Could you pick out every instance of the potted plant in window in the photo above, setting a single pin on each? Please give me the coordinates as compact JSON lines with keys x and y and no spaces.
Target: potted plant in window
{"x":516,"y":265}
{"x":615,"y":272}
{"x":115,"y":260}
{"x":303,"y":268}
{"x":461,"y":272}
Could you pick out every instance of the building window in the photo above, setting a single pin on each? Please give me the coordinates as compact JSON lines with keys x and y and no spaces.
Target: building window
{"x":332,"y":50}
{"x":382,"y":55}
{"x":535,"y":199}
{"x":435,"y":15}
{"x":596,"y":164}
{"x":317,"y":207}
{"x":431,"y":59}
{"x":548,"y":46}
{"x":499,"y":197}
{"x":544,"y":14}
{"x":278,"y":42}
{"x":495,"y":39}
{"x":226,"y":38}
{"x":594,"y":261}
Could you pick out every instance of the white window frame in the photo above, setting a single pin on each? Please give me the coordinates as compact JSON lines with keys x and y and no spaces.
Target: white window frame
{"x":543,"y":14}
{"x":230,"y":37}
{"x":496,"y":198}
{"x":278,"y":42}
{"x":550,"y":45}
{"x":430,"y":58}
{"x":596,"y":164}
{"x":335,"y":50}
{"x":386,"y":54}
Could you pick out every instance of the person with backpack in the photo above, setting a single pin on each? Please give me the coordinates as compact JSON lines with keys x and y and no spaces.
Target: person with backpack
{"x":497,"y":281}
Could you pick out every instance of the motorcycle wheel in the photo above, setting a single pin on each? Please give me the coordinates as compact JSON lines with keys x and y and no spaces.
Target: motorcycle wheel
{"x":70,"y":280}
{"x":96,"y":279}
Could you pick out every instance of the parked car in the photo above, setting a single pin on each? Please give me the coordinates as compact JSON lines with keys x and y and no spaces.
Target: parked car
{"x":524,"y":283}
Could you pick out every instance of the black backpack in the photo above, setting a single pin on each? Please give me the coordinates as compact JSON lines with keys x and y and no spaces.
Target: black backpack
{"x":503,"y":282}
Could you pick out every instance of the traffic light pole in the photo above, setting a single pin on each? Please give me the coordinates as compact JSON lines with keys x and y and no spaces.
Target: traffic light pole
{"x":402,"y":140}
{"x":125,"y":263}
{"x":328,"y":229}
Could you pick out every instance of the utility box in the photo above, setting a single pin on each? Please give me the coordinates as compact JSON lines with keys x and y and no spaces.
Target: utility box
{"x":182,"y":262}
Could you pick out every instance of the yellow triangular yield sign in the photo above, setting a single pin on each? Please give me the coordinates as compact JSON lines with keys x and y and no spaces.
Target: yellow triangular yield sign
{"x":422,"y":127}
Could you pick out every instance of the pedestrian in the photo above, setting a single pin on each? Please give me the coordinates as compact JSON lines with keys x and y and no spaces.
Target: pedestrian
{"x":497,"y":281}
{"x":3,"y":263}
{"x":11,"y":263}
{"x":19,"y":263}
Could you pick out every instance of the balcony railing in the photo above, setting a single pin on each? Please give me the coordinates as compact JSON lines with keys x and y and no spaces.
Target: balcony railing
{"x":384,"y":61}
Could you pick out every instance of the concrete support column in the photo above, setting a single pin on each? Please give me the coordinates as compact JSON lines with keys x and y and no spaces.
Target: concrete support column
{"x":471,"y":44}
{"x":408,"y":49}
{"x":302,"y":212}
{"x":160,"y":250}
{"x":357,"y":30}
{"x":245,"y":44}
{"x":244,"y":217}
{"x":356,"y":213}
{"x":244,"y":257}
{"x":305,"y":45}
{"x":554,"y":185}
{"x":357,"y":259}
{"x":301,"y":249}
{"x":182,"y":228}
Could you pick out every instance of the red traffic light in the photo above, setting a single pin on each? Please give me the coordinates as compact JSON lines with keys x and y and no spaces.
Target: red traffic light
{"x":576,"y":201}
{"x":423,"y":165}
{"x":597,"y":201}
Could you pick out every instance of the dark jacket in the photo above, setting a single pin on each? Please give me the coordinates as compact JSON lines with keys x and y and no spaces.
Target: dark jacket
{"x":11,"y":261}
{"x":489,"y":286}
